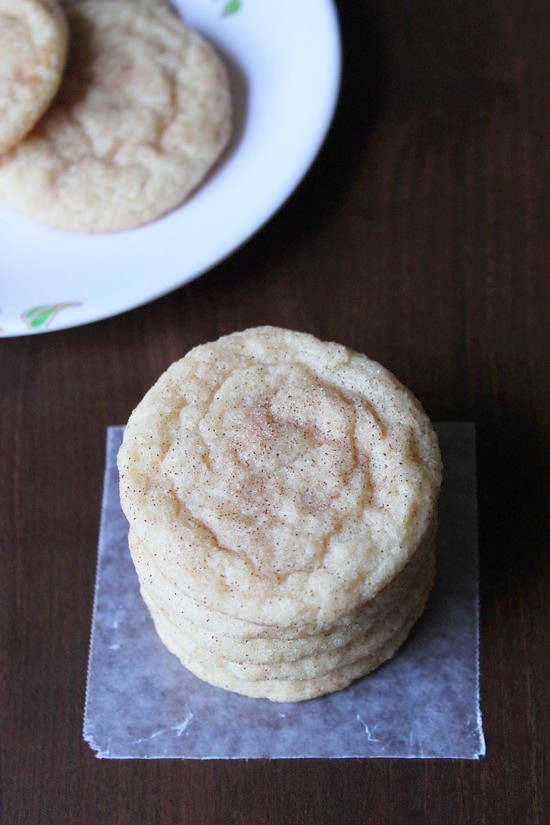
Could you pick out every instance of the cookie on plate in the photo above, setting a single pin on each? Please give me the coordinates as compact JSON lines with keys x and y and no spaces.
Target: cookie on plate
{"x":33,"y":49}
{"x":143,"y":113}
{"x":281,"y":493}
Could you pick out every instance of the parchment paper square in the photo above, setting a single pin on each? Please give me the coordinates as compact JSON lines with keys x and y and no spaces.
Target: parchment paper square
{"x":142,"y":704}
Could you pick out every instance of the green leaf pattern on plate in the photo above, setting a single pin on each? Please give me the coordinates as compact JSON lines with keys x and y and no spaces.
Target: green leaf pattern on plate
{"x":231,"y":7}
{"x":41,"y":317}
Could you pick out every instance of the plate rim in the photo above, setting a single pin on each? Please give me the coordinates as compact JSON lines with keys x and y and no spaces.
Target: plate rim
{"x":118,"y":308}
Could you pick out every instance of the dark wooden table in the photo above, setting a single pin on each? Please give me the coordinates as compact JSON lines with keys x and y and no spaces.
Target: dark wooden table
{"x":421,"y":237}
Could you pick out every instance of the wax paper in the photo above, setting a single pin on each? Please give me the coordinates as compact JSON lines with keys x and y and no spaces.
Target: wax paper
{"x":142,"y":704}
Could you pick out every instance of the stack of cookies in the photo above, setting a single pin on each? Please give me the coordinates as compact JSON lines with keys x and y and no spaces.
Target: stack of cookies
{"x":111,"y":111}
{"x":281,"y":494}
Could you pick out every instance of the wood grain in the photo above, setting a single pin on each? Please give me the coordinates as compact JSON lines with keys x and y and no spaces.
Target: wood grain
{"x":420,"y":237}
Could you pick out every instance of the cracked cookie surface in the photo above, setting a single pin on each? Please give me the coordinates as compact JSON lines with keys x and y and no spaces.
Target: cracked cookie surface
{"x":279,"y":479}
{"x":33,"y":48}
{"x":143,"y":113}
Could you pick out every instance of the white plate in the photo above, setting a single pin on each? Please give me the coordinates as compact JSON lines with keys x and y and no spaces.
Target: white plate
{"x":284,"y":60}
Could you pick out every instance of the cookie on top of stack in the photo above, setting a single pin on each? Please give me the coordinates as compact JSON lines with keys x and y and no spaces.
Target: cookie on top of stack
{"x":142,"y":113}
{"x":281,"y":494}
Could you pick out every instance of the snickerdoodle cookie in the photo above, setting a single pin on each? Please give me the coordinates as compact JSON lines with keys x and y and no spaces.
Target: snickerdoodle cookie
{"x":33,"y":49}
{"x":281,"y":493}
{"x":143,"y":113}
